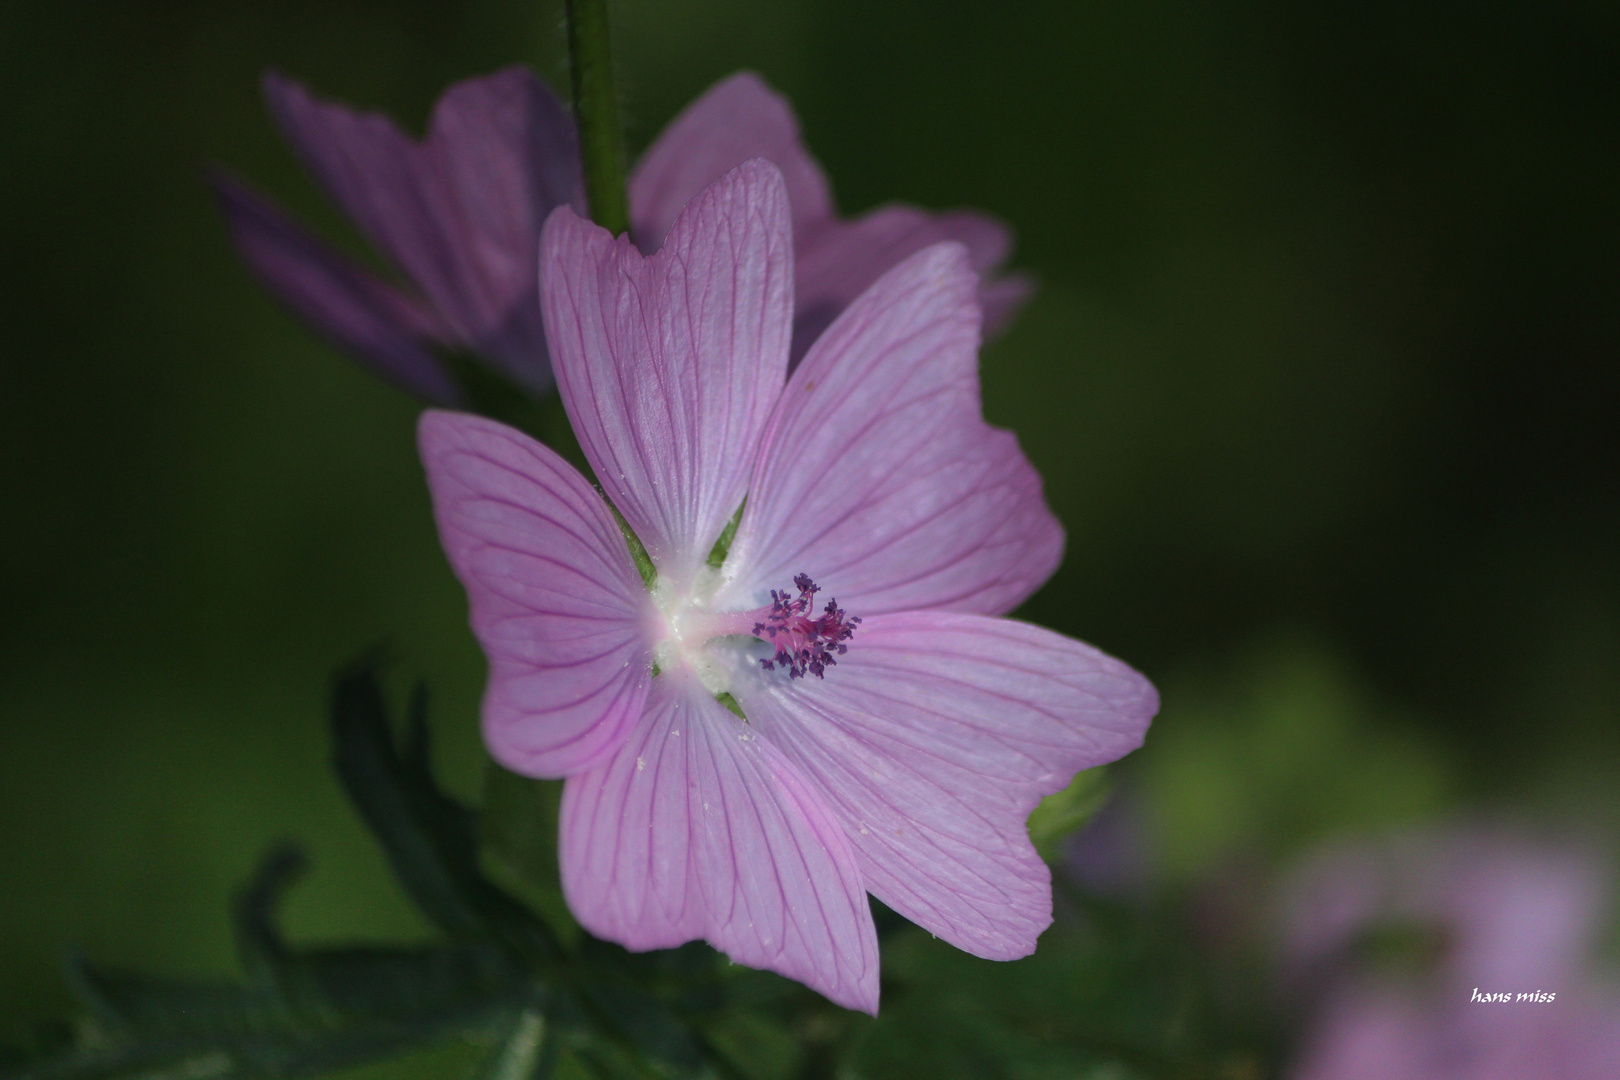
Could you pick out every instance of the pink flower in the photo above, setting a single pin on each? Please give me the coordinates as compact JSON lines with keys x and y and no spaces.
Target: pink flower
{"x":740,"y":118}
{"x":460,"y":214}
{"x":1510,"y":994}
{"x":896,"y":738}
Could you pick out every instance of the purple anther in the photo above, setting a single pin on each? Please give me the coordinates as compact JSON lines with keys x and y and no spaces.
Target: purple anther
{"x":805,"y":644}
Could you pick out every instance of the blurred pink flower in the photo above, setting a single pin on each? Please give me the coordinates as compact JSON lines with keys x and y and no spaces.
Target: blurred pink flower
{"x":896,"y":738}
{"x":1507,"y":915}
{"x":459,"y":214}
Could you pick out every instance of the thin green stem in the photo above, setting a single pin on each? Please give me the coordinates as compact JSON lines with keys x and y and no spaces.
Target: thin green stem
{"x":520,"y":1049}
{"x":596,"y":111}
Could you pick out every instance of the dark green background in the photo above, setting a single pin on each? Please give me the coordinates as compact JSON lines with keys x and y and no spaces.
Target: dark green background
{"x":1322,"y":376}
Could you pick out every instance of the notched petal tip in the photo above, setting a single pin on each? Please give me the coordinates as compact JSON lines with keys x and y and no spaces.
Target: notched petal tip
{"x":1003,"y":297}
{"x":294,"y":108}
{"x":737,"y":119}
{"x":459,"y":211}
{"x":668,"y":364}
{"x":878,"y":470}
{"x":565,"y":228}
{"x":748,"y":83}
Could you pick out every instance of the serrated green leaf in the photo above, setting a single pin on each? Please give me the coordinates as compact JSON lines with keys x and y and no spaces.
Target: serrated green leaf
{"x":303,"y":1012}
{"x":352,"y":1006}
{"x":430,"y":839}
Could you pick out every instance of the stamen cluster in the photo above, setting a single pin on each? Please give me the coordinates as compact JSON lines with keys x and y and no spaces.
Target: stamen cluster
{"x":805,"y":644}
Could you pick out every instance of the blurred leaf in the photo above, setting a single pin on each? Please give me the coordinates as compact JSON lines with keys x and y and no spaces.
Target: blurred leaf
{"x":523,"y":1052}
{"x":1405,"y":949}
{"x":518,"y":842}
{"x":763,"y":1048}
{"x":1281,"y":749}
{"x":1115,"y":991}
{"x":1059,"y":816}
{"x":430,"y":839}
{"x":301,"y":1013}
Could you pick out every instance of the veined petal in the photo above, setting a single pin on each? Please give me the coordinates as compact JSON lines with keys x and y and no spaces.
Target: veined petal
{"x":376,"y":174}
{"x":461,"y":213}
{"x":360,"y":314}
{"x":836,"y":264}
{"x":555,"y":600}
{"x":879,"y":477}
{"x":932,"y":741}
{"x":507,"y":153}
{"x":740,"y":118}
{"x":695,"y":828}
{"x":737,"y":119}
{"x":669,"y":364}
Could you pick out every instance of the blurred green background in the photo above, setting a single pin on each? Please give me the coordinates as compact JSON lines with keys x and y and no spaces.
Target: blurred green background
{"x":1323,"y":376}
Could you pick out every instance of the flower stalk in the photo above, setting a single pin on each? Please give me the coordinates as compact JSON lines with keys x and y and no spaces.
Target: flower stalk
{"x":596,"y":110}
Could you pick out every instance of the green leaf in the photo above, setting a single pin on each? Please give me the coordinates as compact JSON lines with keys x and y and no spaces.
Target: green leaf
{"x":1058,"y":816}
{"x":519,"y":844}
{"x":303,"y":1014}
{"x":523,"y":1052}
{"x":430,"y":839}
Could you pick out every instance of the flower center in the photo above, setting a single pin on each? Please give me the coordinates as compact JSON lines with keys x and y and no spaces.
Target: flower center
{"x":804,"y":643}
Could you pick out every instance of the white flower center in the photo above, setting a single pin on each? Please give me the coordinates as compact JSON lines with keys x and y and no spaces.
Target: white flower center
{"x":683,"y":627}
{"x":803,"y":639}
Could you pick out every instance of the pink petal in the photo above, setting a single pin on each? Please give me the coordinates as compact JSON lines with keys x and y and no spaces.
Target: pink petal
{"x":506,"y":151}
{"x":1002,"y":298}
{"x":1515,"y":909}
{"x":739,"y":118}
{"x":360,"y":314}
{"x":838,"y":263}
{"x":369,"y":167}
{"x":879,"y":478}
{"x":933,"y":739}
{"x":697,"y":829}
{"x":555,"y":600}
{"x":460,"y":214}
{"x":669,"y":364}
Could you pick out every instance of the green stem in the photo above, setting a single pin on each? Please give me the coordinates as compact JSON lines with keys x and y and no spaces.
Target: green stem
{"x":596,"y":111}
{"x":518,"y":1055}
